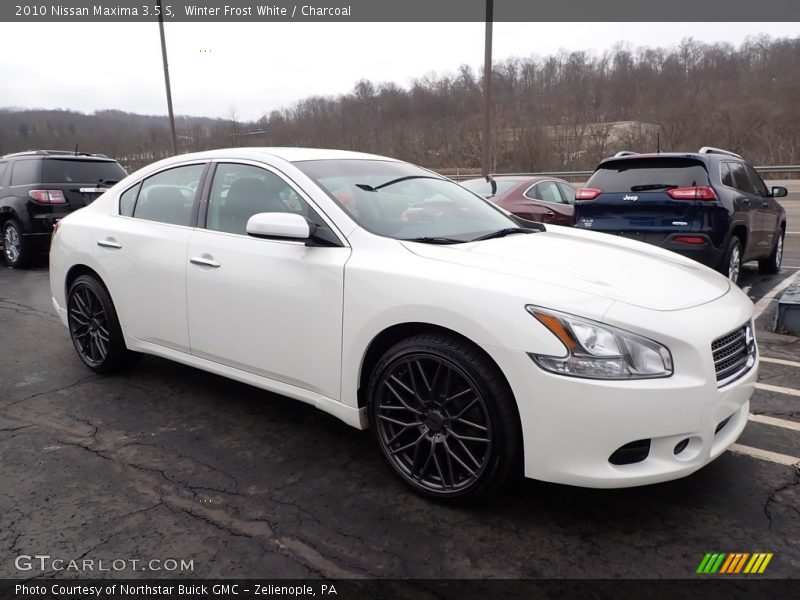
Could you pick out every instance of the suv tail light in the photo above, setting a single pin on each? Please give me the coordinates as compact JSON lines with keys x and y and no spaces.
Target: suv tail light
{"x":698,"y":192}
{"x":48,"y":196}
{"x":587,"y":193}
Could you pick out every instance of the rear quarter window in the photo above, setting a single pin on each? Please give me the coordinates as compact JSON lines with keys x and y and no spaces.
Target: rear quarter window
{"x":643,"y":174}
{"x":26,"y":172}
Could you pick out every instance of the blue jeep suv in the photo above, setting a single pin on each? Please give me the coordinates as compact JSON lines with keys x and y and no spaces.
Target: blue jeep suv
{"x":708,"y":205}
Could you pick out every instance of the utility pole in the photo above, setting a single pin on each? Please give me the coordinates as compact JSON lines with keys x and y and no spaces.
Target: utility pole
{"x":487,"y":91}
{"x":166,"y":79}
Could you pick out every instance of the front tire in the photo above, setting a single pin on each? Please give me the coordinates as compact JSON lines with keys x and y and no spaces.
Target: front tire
{"x":94,"y":327}
{"x":444,"y":418}
{"x":772,"y":264}
{"x":15,"y":249}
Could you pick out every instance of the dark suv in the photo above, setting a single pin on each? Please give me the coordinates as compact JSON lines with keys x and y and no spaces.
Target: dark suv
{"x":38,"y":187}
{"x":710,"y":206}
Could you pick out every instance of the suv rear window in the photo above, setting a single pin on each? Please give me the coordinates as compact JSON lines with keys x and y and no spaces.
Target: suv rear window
{"x":643,"y":174}
{"x":82,"y":171}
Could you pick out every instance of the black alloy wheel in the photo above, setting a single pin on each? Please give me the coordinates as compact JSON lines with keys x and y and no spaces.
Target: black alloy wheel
{"x":94,"y":328}
{"x":444,"y":417}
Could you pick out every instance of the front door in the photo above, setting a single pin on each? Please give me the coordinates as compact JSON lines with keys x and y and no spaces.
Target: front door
{"x":272,"y":308}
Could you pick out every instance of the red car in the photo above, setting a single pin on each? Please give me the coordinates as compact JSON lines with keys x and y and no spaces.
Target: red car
{"x":543,"y":199}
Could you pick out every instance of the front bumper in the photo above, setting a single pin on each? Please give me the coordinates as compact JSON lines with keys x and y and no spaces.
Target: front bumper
{"x":572,"y":426}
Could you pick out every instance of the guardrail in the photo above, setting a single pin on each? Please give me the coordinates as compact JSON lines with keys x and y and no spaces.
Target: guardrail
{"x":795,"y":169}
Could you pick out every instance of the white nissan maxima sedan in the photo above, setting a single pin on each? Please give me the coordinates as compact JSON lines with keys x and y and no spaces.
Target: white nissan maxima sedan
{"x":475,"y":347}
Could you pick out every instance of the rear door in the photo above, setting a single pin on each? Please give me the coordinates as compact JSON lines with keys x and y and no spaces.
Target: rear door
{"x":143,"y":254}
{"x":634,"y":201}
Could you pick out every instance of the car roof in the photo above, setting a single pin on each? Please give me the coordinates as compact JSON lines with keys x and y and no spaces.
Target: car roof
{"x":289,"y":154}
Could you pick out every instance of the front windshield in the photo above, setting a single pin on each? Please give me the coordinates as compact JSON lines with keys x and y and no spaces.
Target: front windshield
{"x":402,"y":201}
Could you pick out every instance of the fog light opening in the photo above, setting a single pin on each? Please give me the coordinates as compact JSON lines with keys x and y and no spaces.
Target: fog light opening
{"x":631,"y":453}
{"x":681,"y":446}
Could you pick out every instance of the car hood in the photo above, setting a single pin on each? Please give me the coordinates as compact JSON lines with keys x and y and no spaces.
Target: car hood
{"x":603,"y":265}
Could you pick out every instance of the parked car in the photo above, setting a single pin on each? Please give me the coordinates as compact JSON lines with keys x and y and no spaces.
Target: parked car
{"x":394,"y":299}
{"x":710,"y":206}
{"x":542,"y":199}
{"x":39,"y":187}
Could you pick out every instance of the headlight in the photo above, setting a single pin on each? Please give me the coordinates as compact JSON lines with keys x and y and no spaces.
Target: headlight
{"x":598,"y":351}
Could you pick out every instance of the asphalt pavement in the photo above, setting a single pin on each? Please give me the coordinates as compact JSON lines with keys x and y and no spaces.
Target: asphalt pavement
{"x":165,"y":462}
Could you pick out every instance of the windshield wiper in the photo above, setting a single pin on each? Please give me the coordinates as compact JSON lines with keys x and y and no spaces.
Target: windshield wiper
{"x":433,"y":240}
{"x":655,"y":186}
{"x":368,"y":188}
{"x":503,"y":233}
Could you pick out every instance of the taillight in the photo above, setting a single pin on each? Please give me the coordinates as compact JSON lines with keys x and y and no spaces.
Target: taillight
{"x":698,"y":192}
{"x":48,"y":196}
{"x":587,"y":193}
{"x":689,"y":239}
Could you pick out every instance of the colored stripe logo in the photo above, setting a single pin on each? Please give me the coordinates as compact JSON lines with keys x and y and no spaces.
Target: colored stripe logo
{"x":734,"y":563}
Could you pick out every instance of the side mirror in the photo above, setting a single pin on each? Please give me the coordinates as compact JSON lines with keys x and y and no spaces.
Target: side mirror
{"x":778,"y":191}
{"x":289,"y":226}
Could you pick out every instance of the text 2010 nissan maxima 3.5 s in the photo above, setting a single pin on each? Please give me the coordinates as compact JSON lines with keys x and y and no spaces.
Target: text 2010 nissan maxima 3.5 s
{"x":475,"y":348}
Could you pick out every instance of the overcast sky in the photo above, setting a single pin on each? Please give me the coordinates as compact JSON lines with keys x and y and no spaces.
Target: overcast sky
{"x":254,"y":68}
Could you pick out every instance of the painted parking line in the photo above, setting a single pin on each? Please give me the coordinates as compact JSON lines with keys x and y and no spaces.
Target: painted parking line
{"x":764,"y":303}
{"x":778,"y":389}
{"x":775,"y":457}
{"x":779,"y":361}
{"x":767,"y":420}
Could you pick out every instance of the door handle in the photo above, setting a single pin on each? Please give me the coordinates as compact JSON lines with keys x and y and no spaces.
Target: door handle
{"x":550,"y":213}
{"x":764,"y":204}
{"x":205,"y":261}
{"x":109,"y":243}
{"x":746,"y":202}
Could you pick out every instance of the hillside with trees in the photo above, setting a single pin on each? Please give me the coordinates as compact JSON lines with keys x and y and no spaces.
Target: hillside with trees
{"x":559,"y":112}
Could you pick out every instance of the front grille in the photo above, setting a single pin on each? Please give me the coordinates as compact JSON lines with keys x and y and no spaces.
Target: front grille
{"x":734,"y":354}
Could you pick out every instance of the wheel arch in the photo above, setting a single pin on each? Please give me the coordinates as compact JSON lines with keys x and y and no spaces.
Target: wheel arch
{"x":76,"y":271}
{"x":393,"y":334}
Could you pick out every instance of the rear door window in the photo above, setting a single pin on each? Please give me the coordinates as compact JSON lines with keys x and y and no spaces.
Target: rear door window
{"x":741,"y":181}
{"x":546,"y":191}
{"x":648,"y":174}
{"x":168,"y":196}
{"x":70,"y":170}
{"x":725,"y":174}
{"x":26,"y":172}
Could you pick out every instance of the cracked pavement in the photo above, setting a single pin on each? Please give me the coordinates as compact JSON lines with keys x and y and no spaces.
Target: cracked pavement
{"x":164,"y":461}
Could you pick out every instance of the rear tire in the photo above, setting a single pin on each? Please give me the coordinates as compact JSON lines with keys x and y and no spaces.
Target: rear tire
{"x":444,"y":418}
{"x":732,"y":261}
{"x":94,"y":327}
{"x":772,"y":264}
{"x":15,"y":248}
